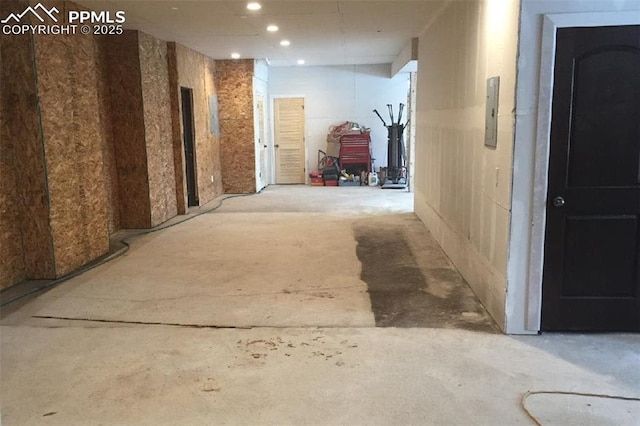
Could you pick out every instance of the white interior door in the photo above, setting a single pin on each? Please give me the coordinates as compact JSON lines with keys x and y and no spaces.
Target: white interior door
{"x":261,"y":141}
{"x":288,"y":121}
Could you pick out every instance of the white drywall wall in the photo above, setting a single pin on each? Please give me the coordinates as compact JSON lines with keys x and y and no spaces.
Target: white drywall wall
{"x":462,"y":188}
{"x":335,"y":94}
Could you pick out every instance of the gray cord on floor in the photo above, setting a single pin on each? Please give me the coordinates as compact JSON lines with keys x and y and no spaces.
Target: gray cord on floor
{"x":594,"y":395}
{"x":118,"y":253}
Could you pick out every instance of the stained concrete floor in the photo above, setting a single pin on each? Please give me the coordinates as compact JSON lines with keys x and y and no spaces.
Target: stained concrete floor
{"x":295,"y":306}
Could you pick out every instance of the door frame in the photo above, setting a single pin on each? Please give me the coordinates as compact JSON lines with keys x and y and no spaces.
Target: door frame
{"x":272,"y":153}
{"x":261,"y":180}
{"x":411,"y":146}
{"x":190,"y":167}
{"x":530,"y":173}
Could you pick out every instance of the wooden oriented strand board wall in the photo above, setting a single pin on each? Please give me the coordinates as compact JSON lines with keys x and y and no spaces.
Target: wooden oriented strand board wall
{"x":234,"y":83}
{"x":158,"y":131}
{"x":215,"y":164}
{"x":26,"y":250}
{"x":70,"y":117}
{"x":12,"y":269}
{"x":110,"y":170}
{"x":53,"y":142}
{"x":197,"y":72}
{"x":127,"y":128}
{"x":86,"y":145}
{"x":176,"y":130}
{"x":141,"y":119}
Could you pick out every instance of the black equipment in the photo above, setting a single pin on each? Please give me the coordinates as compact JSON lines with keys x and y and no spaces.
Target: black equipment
{"x":397,"y":176}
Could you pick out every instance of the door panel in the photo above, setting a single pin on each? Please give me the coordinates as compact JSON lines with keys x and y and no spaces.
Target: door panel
{"x":596,"y":252}
{"x":289,"y":140}
{"x":606,"y":128}
{"x":591,"y":277}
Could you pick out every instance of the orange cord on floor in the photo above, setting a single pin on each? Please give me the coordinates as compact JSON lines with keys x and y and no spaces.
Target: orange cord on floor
{"x":594,"y":395}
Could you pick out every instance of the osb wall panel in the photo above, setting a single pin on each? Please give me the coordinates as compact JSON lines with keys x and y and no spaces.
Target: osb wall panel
{"x":176,"y":131}
{"x":237,"y":168}
{"x":12,"y":268}
{"x":197,"y":72}
{"x":123,"y":69}
{"x":13,"y":57}
{"x":70,"y":116}
{"x":216,"y":161}
{"x":109,"y":169}
{"x":26,"y":250}
{"x":157,"y":121}
{"x":234,"y":82}
{"x":13,"y":53}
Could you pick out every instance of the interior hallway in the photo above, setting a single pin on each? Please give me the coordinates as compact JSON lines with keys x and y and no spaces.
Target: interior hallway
{"x":265,"y":311}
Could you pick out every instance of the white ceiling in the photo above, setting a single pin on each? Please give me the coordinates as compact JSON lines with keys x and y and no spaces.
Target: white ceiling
{"x":322,"y":32}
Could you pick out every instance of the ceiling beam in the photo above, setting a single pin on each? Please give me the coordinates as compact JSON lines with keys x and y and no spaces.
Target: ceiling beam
{"x":407,"y":60}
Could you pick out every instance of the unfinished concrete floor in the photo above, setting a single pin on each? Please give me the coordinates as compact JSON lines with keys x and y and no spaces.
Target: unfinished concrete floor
{"x":265,"y":312}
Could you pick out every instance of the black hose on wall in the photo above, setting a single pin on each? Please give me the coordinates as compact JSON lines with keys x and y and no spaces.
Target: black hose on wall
{"x":117,"y":254}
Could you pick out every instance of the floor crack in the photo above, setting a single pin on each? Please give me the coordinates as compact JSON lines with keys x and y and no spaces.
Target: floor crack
{"x":171,"y":324}
{"x":183,"y":325}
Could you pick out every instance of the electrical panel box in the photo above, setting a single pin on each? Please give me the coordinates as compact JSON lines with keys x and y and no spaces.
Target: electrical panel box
{"x":491,"y":117}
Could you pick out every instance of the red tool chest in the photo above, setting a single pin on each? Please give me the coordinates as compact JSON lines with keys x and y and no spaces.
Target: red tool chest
{"x":355,"y":149}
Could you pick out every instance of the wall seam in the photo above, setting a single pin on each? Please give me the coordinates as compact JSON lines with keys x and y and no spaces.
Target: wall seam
{"x":44,"y":152}
{"x":205,"y":99}
{"x":144,"y":129}
{"x":103,"y":51}
{"x":174,"y":95}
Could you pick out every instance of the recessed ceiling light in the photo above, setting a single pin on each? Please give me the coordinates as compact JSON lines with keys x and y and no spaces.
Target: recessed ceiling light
{"x":285,"y":43}
{"x":174,"y":8}
{"x":272,"y":28}
{"x":300,"y":61}
{"x":235,"y":55}
{"x":254,"y":6}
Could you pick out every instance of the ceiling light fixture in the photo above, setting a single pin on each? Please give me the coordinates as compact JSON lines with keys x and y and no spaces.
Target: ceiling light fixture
{"x":285,"y":43}
{"x":254,"y":6}
{"x":235,"y":55}
{"x":174,"y":8}
{"x":272,"y":28}
{"x":300,"y":61}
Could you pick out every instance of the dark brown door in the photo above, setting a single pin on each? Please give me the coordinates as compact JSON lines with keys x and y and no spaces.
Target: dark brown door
{"x":592,"y":254}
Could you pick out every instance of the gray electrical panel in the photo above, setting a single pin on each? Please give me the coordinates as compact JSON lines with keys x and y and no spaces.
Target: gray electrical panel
{"x":491,"y":117}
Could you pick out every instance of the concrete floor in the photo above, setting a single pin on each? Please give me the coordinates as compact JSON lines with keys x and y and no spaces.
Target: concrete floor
{"x":300,"y":305}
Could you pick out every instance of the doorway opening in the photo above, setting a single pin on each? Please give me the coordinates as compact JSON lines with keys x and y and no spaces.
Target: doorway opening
{"x":188,"y":134}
